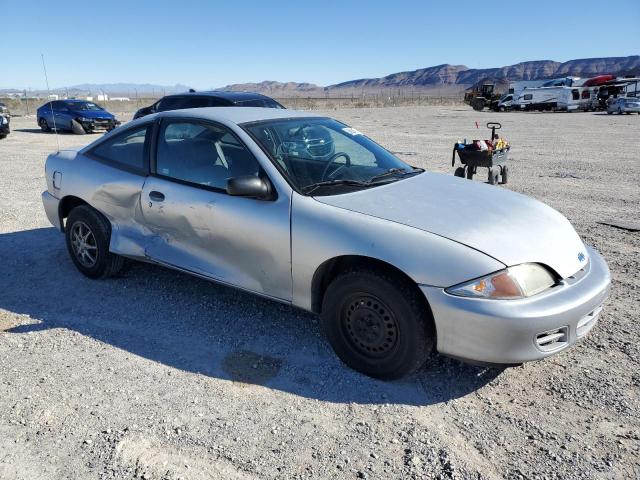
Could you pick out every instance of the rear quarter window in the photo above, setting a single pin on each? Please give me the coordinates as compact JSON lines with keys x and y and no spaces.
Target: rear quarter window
{"x":128,"y":151}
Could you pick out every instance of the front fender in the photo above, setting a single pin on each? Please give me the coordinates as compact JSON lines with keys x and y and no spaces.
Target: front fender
{"x":320,"y":232}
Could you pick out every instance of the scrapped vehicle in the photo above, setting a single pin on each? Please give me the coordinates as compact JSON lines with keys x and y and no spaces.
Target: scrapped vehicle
{"x":4,"y":110}
{"x":77,"y":116}
{"x":5,"y":129}
{"x":310,"y":212}
{"x":623,"y":105}
{"x":215,"y":98}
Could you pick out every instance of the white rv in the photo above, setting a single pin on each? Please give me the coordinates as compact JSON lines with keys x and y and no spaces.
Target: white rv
{"x":552,"y":98}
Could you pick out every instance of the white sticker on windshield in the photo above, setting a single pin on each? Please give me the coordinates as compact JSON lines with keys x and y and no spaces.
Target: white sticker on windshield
{"x":351,"y":131}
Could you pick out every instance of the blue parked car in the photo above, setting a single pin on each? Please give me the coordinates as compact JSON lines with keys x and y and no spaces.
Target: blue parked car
{"x":78,"y":116}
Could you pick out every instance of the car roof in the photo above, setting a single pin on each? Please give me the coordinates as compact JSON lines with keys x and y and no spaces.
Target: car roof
{"x":237,"y":115}
{"x":225,"y":94}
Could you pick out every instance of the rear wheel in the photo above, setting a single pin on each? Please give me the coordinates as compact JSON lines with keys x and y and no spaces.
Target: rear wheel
{"x":88,"y":235}
{"x":459,"y":172}
{"x":503,"y":177}
{"x":377,"y":324}
{"x":44,"y":126}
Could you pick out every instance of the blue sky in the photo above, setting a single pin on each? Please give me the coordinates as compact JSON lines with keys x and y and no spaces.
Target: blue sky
{"x":210,"y":44}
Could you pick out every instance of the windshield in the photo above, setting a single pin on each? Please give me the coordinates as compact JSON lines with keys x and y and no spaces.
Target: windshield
{"x":258,"y":102}
{"x":84,"y":106}
{"x":324,"y":157}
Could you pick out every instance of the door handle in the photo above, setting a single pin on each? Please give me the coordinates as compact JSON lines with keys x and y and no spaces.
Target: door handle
{"x":156,"y":196}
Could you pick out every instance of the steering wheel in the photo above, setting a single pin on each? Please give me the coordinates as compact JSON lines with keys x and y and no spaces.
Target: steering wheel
{"x":333,"y":158}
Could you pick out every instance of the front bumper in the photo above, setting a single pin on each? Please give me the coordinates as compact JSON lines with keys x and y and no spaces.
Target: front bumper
{"x":51,"y":209}
{"x":99,"y":124}
{"x":5,"y":129}
{"x":516,"y":331}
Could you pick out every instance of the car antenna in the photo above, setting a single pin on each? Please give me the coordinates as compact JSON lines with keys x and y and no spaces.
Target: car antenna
{"x":53,"y":117}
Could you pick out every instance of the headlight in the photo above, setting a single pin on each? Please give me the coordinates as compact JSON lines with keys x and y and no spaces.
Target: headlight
{"x":85,"y":119}
{"x":514,"y":282}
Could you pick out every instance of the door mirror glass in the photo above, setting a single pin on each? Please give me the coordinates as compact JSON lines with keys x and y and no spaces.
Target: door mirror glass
{"x":249,"y":186}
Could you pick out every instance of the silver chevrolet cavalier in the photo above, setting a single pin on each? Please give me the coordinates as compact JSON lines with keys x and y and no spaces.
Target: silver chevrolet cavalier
{"x":305,"y":210}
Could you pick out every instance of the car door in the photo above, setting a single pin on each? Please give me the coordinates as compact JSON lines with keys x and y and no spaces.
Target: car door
{"x":62,"y":115}
{"x":196,"y":226}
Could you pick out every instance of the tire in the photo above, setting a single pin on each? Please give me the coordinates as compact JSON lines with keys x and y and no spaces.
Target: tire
{"x":609,"y":112}
{"x":383,"y":301}
{"x":77,"y":128}
{"x":102,"y":263}
{"x":504,"y":176}
{"x":44,"y":126}
{"x":470,"y":172}
{"x":477,"y":104}
{"x":459,"y":172}
{"x":493,"y":176}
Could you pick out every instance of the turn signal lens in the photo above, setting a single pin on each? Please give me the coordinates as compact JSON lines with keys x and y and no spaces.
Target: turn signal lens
{"x":514,"y":282}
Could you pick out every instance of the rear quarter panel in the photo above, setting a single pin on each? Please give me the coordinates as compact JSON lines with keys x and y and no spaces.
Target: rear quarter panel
{"x":113,"y":192}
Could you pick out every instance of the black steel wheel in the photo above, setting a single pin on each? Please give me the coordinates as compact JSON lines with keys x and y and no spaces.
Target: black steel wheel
{"x":369,"y":325}
{"x":88,"y":234}
{"x":377,"y":323}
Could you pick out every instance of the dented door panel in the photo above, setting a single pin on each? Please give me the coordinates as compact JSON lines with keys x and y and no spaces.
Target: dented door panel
{"x":240,"y":241}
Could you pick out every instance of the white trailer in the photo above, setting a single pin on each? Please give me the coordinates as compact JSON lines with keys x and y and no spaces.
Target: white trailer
{"x":551,"y":98}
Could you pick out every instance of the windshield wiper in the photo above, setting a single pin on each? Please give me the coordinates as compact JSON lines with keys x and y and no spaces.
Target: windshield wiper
{"x":392,"y":172}
{"x":315,"y":186}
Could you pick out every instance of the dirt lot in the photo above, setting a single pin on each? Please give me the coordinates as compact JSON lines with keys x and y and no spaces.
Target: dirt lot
{"x":158,"y":375}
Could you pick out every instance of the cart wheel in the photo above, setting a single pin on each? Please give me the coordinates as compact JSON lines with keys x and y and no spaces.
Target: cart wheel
{"x":470,"y":172}
{"x":459,"y":172}
{"x":503,"y":179}
{"x":493,"y":176}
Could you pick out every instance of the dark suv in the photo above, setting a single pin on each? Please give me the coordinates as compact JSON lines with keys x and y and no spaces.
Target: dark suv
{"x":214,"y":98}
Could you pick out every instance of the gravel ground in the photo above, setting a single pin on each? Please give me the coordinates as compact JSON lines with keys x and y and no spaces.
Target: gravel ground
{"x":158,"y":375}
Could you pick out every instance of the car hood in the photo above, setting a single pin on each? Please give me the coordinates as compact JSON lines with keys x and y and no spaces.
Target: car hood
{"x":508,"y":226}
{"x":93,"y":113}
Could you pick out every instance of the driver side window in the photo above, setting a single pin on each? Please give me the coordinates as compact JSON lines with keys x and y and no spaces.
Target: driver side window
{"x":202,"y":154}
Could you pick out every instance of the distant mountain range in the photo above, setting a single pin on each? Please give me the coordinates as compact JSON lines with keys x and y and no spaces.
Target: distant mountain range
{"x":446,"y":79}
{"x":451,"y":76}
{"x":142,"y":90}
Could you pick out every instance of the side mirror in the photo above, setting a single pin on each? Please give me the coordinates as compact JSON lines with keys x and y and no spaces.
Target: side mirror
{"x":250,"y":186}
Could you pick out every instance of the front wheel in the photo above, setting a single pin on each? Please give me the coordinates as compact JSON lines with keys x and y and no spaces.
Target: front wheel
{"x":377,"y":324}
{"x":88,"y":235}
{"x":77,"y":128}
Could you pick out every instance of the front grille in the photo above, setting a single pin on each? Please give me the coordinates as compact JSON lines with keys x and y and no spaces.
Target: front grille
{"x":587,"y":322}
{"x":552,"y":339}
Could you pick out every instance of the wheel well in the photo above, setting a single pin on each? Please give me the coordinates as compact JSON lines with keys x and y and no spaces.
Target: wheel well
{"x":330,"y":269}
{"x":67,"y":204}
